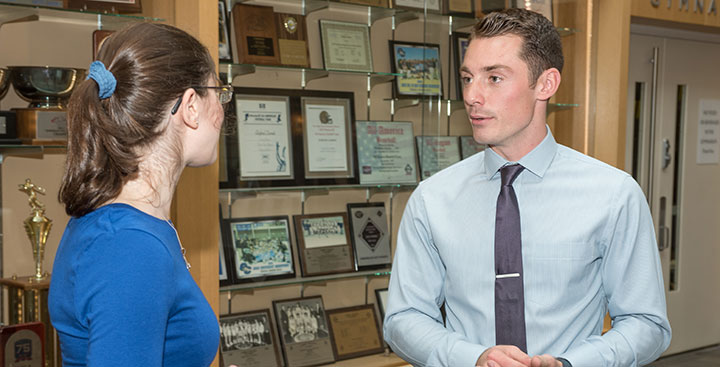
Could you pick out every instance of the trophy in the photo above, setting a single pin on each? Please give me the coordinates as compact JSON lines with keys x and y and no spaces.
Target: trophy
{"x":47,"y":89}
{"x":37,"y":226}
{"x":8,"y":134}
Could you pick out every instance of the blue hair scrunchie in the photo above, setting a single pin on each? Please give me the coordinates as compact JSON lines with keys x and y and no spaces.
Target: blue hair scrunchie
{"x":105,"y":79}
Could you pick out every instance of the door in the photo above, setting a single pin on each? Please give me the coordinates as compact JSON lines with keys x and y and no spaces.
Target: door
{"x":672,"y":150}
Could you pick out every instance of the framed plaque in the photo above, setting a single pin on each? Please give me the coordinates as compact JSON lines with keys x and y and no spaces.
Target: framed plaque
{"x":432,"y":5}
{"x":376,"y":3}
{"x":468,"y":146}
{"x":370,"y":235}
{"x":355,"y":332}
{"x":460,"y":42}
{"x":386,"y":152}
{"x":303,"y":331}
{"x":489,"y":6}
{"x":256,"y":39}
{"x":381,"y":296}
{"x":222,"y":266}
{"x":419,"y":67}
{"x":436,"y":153}
{"x":459,"y":7}
{"x":264,"y":139}
{"x":292,"y":41}
{"x":111,"y":6}
{"x":224,"y":51}
{"x":324,"y":244}
{"x":346,"y":46}
{"x":248,"y":339}
{"x":23,"y":345}
{"x":543,"y":7}
{"x":259,"y":248}
{"x":327,"y":137}
{"x":99,"y":37}
{"x":282,"y":138}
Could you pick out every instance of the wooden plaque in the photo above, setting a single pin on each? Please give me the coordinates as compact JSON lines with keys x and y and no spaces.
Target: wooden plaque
{"x":22,"y":345}
{"x":292,"y":39}
{"x":355,"y":332}
{"x":255,"y":34}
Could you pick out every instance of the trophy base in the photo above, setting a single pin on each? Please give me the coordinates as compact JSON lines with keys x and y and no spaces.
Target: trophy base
{"x":41,"y":126}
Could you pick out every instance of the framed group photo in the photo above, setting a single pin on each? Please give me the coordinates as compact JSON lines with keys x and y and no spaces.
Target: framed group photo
{"x":248,"y":339}
{"x":419,"y":67}
{"x":258,"y":249}
{"x":303,"y":331}
{"x":324,"y":245}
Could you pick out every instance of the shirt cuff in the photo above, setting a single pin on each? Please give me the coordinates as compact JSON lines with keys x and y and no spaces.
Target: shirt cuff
{"x":585,"y":354}
{"x":465,"y":354}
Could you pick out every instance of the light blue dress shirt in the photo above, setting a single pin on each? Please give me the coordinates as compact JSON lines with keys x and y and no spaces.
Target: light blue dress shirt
{"x":588,"y":248}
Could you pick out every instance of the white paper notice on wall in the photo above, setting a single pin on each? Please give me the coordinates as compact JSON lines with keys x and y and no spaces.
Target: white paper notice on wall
{"x":708,"y":145}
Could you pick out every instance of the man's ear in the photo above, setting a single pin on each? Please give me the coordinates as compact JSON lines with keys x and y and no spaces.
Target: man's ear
{"x":547,"y":84}
{"x":189,"y":110}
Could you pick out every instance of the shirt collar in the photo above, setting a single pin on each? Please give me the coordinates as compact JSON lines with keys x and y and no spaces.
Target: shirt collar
{"x":537,"y":161}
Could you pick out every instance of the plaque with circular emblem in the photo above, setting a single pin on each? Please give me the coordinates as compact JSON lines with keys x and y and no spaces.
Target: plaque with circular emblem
{"x":292,"y":39}
{"x":290,"y":24}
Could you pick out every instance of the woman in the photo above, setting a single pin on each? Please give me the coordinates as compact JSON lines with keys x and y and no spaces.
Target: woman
{"x":121,"y":293}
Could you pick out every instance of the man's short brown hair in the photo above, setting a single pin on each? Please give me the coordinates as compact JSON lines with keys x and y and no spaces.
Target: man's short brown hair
{"x":541,"y":48}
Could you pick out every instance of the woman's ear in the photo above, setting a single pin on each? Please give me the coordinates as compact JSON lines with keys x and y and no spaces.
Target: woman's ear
{"x":189,"y":110}
{"x":548,"y":84}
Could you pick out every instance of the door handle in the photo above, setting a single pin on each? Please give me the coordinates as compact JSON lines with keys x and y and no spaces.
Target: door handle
{"x":664,"y":231}
{"x":666,"y":159}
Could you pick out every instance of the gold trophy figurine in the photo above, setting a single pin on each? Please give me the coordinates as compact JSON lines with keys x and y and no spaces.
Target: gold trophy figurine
{"x":37,"y":225}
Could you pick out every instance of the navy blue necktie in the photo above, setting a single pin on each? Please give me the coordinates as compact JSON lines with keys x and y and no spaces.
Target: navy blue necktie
{"x":509,"y":294}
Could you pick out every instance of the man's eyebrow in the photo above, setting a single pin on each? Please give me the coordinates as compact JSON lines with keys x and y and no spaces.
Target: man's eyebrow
{"x":486,"y":69}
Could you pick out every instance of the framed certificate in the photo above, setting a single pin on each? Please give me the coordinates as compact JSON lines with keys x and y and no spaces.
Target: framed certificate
{"x":355,"y":332}
{"x":112,"y":6}
{"x":543,"y":7}
{"x":419,"y":67}
{"x":289,"y":137}
{"x":327,"y":137}
{"x":386,"y":152}
{"x":468,"y":146}
{"x":431,"y":5}
{"x":259,"y":248}
{"x":248,"y":339}
{"x":459,"y":7}
{"x":436,"y":153}
{"x":346,"y":46}
{"x":224,"y":50}
{"x":381,"y":296}
{"x":370,"y":235}
{"x":303,"y":331}
{"x":460,"y":42}
{"x":264,"y":139}
{"x":324,"y":244}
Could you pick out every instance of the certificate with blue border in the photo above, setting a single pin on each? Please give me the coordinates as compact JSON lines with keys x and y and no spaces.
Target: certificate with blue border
{"x":386,"y":153}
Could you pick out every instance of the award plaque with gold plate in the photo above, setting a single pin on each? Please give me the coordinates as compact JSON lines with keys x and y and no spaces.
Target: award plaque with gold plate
{"x":292,"y":39}
{"x":354,"y":332}
{"x":256,"y":38}
{"x":44,"y":121}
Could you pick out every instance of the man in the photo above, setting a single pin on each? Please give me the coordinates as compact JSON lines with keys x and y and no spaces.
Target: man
{"x":526,"y":273}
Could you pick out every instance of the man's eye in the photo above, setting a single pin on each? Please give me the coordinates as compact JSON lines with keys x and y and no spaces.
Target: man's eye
{"x":465,"y":80}
{"x":495,"y":79}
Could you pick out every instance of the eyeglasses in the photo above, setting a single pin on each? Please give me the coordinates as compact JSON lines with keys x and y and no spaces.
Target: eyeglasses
{"x":224,"y":94}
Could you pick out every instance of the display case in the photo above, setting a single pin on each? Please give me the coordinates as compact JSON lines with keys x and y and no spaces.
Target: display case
{"x":378,"y":97}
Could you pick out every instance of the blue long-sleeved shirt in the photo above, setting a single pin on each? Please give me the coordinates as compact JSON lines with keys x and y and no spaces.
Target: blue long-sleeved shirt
{"x":121,"y":295}
{"x":588,"y":247}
